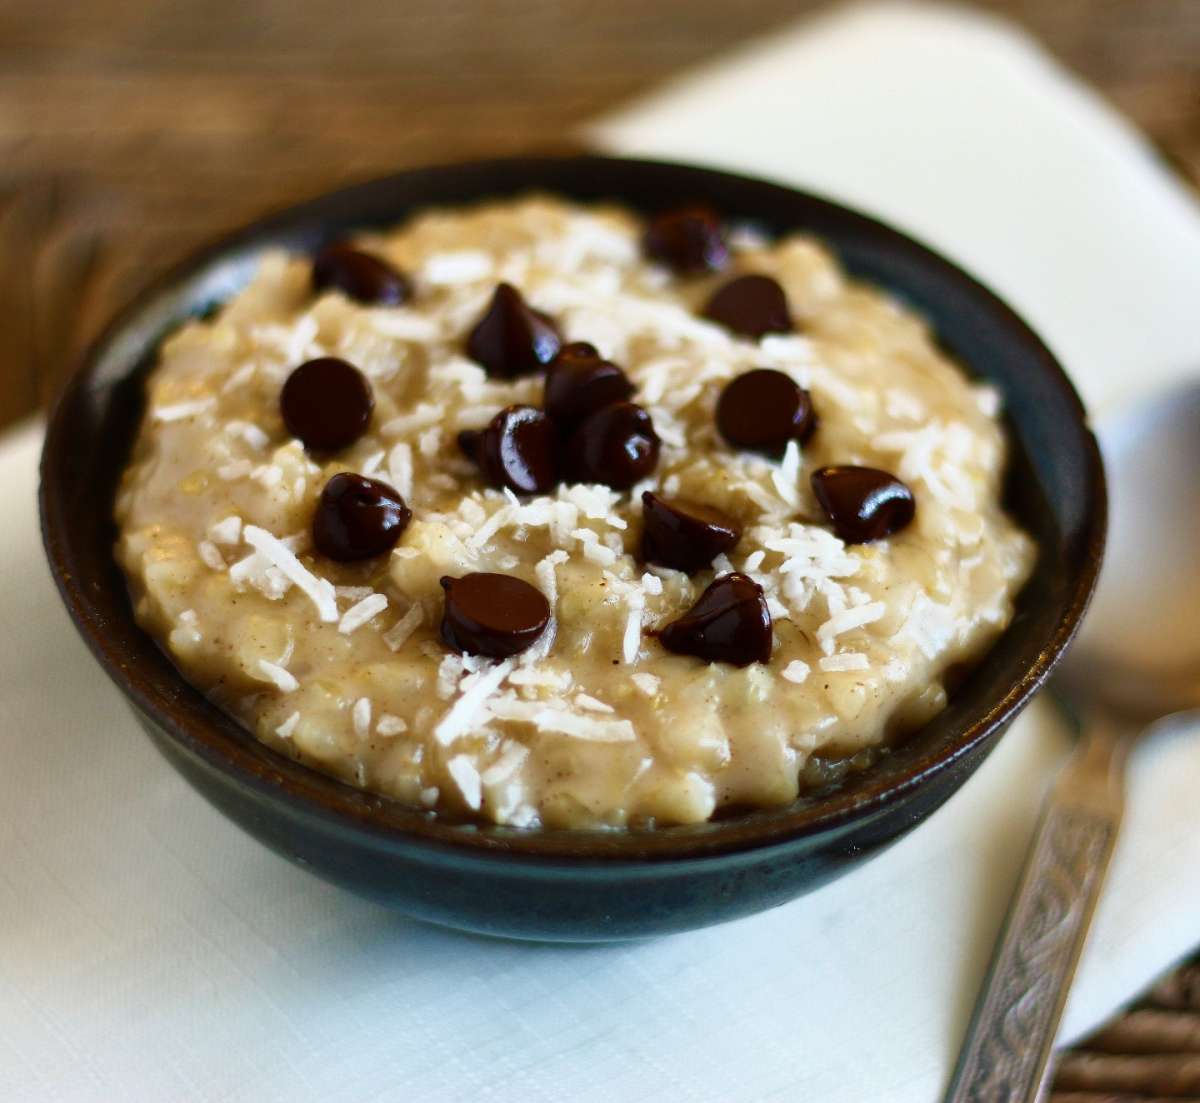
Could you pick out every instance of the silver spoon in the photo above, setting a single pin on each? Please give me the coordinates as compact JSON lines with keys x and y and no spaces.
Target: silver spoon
{"x":1134,"y":669}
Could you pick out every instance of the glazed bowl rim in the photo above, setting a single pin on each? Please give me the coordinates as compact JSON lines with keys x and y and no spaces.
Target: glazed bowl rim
{"x":204,"y":732}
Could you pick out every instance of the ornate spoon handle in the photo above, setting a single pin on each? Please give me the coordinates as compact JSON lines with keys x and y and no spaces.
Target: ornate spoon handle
{"x":1008,"y":1043}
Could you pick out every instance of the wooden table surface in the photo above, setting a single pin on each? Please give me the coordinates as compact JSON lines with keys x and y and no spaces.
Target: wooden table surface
{"x":133,"y":130}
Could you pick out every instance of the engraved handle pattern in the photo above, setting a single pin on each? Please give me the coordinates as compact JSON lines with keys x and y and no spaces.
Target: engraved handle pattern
{"x":1011,"y":1033}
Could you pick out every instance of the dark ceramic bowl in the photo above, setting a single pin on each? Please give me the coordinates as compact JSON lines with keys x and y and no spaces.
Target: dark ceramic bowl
{"x":561,"y":884}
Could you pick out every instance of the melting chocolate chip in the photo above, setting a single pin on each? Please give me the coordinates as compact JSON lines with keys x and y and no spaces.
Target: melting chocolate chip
{"x":327,"y":403}
{"x":358,"y":518}
{"x":579,"y":382}
{"x":729,"y":623}
{"x":518,"y":449}
{"x":359,"y":276}
{"x":685,"y":535}
{"x":616,"y":446}
{"x":751,"y":306}
{"x":689,"y":240}
{"x":863,"y":503}
{"x":492,"y":614}
{"x":763,"y":409}
{"x":512,"y":338}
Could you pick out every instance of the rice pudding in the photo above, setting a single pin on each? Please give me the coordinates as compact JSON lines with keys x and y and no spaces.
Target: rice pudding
{"x":546,"y":515}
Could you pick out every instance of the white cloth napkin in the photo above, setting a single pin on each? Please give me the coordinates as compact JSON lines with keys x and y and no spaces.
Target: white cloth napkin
{"x":149,"y":951}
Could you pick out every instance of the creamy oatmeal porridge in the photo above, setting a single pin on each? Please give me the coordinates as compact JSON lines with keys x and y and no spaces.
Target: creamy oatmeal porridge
{"x":537,"y":513}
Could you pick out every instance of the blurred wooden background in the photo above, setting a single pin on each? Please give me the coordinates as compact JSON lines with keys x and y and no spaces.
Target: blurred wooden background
{"x":133,"y":130}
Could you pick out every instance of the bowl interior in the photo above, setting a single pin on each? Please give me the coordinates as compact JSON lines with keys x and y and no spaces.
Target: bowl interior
{"x":1055,"y":488}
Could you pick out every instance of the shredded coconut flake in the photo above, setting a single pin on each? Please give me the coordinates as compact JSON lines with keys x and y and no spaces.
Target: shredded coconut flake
{"x":462,"y":266}
{"x":490,"y":527}
{"x":248,"y":433}
{"x":424,"y":414}
{"x":632,"y":641}
{"x":506,"y":765}
{"x":397,"y":636}
{"x":178,"y":411}
{"x":256,"y":570}
{"x":404,"y":325}
{"x":929,"y":625}
{"x":235,"y":469}
{"x":267,"y":475}
{"x":430,"y":442}
{"x":388,"y":724}
{"x":846,"y":661}
{"x":847,"y":620}
{"x":463,"y":714}
{"x":284,"y":731}
{"x":558,"y":681}
{"x":318,"y":590}
{"x":226,"y":531}
{"x":360,"y":717}
{"x":544,"y":572}
{"x":210,"y":555}
{"x":240,"y":377}
{"x":795,"y":671}
{"x":903,"y":404}
{"x":362,"y":612}
{"x":462,"y":770}
{"x":646,"y":683}
{"x":282,"y":679}
{"x":592,"y":704}
{"x":987,"y":398}
{"x":584,"y":727}
{"x":352,"y":593}
{"x":593,"y":549}
{"x":450,"y":673}
{"x":786,"y":474}
{"x":400,"y":468}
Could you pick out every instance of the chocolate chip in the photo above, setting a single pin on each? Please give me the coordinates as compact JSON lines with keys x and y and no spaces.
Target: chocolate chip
{"x":580,"y":382}
{"x":512,"y":338}
{"x":685,"y":535}
{"x":689,"y":239}
{"x":492,"y":614}
{"x":616,"y":446}
{"x":763,"y":409}
{"x":518,"y":449}
{"x":327,"y":403}
{"x":729,"y":623}
{"x":358,"y":518}
{"x":751,"y":306}
{"x":863,"y":503}
{"x":359,"y":276}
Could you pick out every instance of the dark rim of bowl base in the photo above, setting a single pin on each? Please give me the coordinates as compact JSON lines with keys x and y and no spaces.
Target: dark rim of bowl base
{"x":160,"y":692}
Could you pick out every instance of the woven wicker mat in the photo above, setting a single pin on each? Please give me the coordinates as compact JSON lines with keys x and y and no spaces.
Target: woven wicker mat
{"x":1150,"y":1052}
